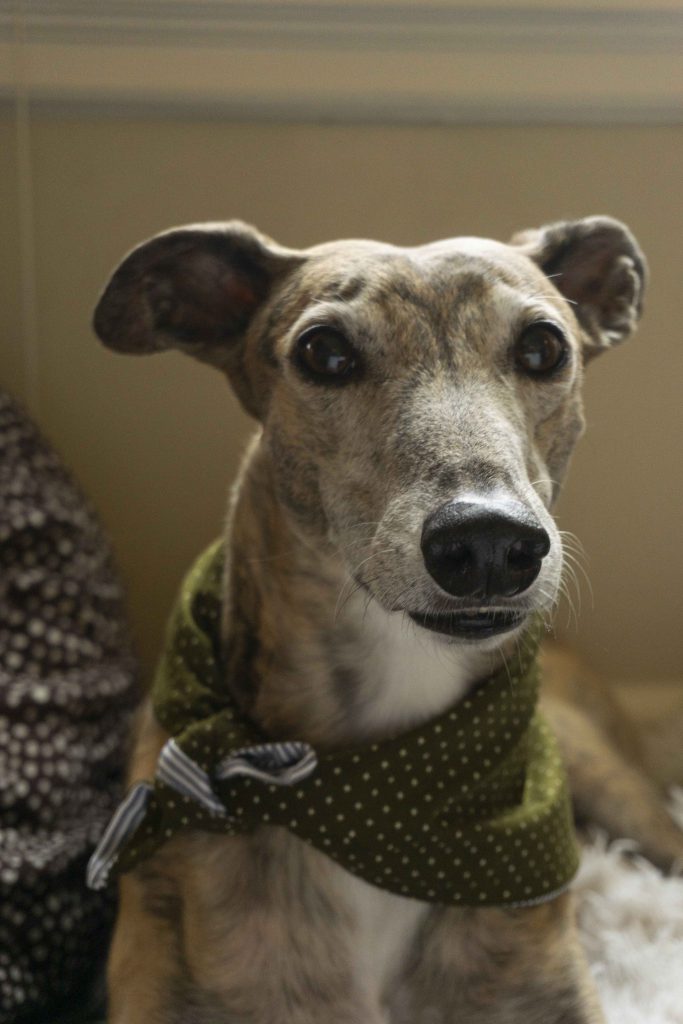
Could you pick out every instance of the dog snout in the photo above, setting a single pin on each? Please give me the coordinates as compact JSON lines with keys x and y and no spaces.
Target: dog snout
{"x":484,"y":550}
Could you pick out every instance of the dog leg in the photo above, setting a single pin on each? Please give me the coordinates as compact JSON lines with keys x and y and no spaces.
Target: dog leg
{"x":266,"y":934}
{"x":609,"y":792}
{"x":143,"y":959}
{"x":499,"y":967}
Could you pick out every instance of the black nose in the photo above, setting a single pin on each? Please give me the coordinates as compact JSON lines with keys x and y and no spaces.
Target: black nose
{"x":474,"y":549}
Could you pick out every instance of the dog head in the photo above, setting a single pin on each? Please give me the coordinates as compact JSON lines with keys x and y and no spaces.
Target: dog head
{"x":418,"y":406}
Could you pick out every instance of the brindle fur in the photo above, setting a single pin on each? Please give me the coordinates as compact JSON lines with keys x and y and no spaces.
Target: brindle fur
{"x":324,"y":561}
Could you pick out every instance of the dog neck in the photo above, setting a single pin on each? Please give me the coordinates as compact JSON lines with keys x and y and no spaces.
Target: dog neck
{"x":308,"y":656}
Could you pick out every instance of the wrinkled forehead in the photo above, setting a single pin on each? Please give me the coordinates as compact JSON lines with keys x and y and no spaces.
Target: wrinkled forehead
{"x":448,"y":274}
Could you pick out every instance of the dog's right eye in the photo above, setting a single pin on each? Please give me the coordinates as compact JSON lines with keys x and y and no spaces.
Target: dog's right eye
{"x":541,"y":350}
{"x":323,"y":354}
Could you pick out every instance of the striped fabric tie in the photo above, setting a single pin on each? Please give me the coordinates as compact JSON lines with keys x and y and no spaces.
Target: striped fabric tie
{"x":281,"y":764}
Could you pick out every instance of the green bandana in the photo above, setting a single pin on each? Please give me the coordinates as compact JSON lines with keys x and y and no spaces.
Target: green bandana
{"x":471,"y":808}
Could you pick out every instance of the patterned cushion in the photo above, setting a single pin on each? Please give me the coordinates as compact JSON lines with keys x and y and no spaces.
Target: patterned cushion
{"x":66,"y":693}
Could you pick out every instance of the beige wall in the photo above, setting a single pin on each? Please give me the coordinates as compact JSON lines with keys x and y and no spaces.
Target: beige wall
{"x":155,"y":442}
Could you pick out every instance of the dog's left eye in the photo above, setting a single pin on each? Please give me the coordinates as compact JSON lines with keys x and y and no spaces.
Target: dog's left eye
{"x":325,"y":355}
{"x":541,"y":350}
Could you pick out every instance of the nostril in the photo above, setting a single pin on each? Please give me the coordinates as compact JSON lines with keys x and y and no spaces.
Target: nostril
{"x":519,"y":558}
{"x":523,"y":555}
{"x":541,"y":544}
{"x":523,"y":562}
{"x":453,"y":563}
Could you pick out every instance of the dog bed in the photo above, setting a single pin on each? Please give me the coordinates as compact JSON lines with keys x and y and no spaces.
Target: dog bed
{"x":631,"y":923}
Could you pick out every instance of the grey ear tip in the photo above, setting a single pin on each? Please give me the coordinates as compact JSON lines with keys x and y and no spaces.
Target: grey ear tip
{"x":107,"y":324}
{"x":614,"y":226}
{"x":99,"y":323}
{"x":600,"y":225}
{"x":102,"y":322}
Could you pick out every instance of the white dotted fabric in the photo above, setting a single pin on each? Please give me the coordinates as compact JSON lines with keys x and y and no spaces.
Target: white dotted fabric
{"x":470,"y":808}
{"x":66,"y":689}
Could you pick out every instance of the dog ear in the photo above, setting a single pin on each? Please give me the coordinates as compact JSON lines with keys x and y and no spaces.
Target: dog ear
{"x":196,"y":289}
{"x":598,"y":266}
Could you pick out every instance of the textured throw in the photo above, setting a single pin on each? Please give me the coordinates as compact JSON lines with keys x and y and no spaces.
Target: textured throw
{"x":67,"y":690}
{"x":470,"y":808}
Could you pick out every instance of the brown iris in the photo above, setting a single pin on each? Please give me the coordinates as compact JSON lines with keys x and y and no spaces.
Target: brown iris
{"x":541,"y":350}
{"x":325,"y":355}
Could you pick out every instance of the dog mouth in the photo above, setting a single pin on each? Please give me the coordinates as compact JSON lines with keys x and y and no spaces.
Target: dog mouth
{"x":474,"y":624}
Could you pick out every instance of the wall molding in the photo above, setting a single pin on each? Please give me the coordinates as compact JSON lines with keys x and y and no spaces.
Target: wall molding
{"x":346,"y":60}
{"x":406,"y":26}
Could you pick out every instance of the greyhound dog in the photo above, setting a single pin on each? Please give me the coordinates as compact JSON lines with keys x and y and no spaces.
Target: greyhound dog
{"x":389,"y":537}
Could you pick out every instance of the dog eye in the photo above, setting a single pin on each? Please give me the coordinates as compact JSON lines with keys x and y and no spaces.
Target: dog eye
{"x":324,"y":354}
{"x":541,"y":350}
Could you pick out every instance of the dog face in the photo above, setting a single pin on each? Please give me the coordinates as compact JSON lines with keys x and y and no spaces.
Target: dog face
{"x":419,"y":406}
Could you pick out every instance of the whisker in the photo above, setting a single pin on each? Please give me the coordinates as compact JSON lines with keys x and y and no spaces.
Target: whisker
{"x":574,"y":555}
{"x":341,"y":598}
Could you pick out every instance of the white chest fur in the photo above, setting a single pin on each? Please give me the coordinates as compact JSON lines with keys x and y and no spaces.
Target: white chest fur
{"x":408,"y":675}
{"x":385,"y":928}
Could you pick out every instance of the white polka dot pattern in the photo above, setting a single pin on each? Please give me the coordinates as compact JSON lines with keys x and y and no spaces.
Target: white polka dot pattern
{"x":66,"y":689}
{"x":470,"y":808}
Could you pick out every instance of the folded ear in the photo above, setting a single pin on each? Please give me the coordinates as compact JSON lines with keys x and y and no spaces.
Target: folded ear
{"x":194,"y":288}
{"x":598,"y":266}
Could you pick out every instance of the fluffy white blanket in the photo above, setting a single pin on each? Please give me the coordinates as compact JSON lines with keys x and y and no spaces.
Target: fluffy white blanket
{"x":631,"y":921}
